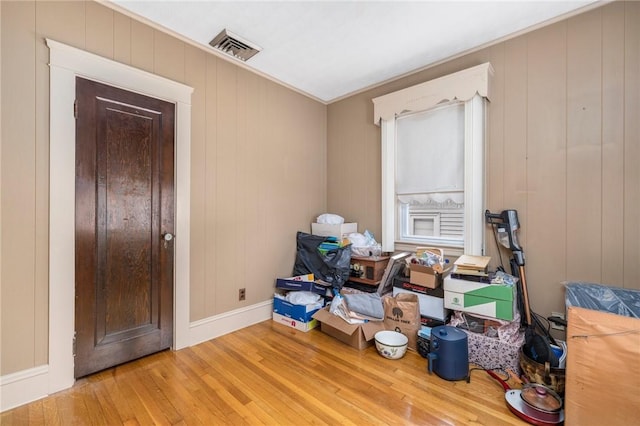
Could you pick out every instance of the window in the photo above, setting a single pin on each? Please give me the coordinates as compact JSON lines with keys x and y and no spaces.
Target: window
{"x":429,"y":198}
{"x":433,"y":162}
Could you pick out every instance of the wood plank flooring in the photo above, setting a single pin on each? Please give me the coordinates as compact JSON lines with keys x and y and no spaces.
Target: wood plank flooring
{"x":274,"y":375}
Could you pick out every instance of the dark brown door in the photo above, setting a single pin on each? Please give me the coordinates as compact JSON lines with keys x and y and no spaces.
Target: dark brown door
{"x":124,"y":211}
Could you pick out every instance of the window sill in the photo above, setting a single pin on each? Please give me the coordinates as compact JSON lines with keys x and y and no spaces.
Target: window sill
{"x":449,"y":251}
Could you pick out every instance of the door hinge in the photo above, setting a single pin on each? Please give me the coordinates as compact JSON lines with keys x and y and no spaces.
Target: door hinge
{"x":75,"y":109}
{"x":74,"y":345}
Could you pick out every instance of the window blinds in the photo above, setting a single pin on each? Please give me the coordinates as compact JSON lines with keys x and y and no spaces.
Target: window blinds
{"x":425,"y":142}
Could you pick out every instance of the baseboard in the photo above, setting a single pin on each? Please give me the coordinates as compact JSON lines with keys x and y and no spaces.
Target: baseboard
{"x":23,"y":387}
{"x":218,"y":325}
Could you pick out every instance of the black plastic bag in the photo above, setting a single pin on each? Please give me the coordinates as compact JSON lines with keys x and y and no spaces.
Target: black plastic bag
{"x":332,"y":267}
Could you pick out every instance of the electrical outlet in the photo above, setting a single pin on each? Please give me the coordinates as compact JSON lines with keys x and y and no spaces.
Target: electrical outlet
{"x":242,"y":294}
{"x":553,"y":324}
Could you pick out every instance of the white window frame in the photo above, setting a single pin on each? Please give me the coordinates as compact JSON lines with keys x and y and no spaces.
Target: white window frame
{"x":471,"y":86}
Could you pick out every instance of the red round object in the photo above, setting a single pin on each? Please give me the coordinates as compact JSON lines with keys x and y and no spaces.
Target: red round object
{"x":520,"y":408}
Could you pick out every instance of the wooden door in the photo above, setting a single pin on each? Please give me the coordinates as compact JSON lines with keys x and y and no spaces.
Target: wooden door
{"x":124,"y":211}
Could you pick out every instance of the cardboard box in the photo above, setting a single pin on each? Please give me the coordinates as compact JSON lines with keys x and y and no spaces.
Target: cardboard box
{"x":298,"y":325}
{"x":292,"y":284}
{"x":339,"y":231}
{"x":358,"y":336}
{"x":403,"y":283}
{"x":432,"y":307}
{"x":492,"y":300}
{"x":302,"y":313}
{"x":603,"y":371}
{"x":426,"y":276}
{"x":299,"y":317}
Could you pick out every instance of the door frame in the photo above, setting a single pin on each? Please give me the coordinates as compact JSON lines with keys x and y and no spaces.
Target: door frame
{"x":65,"y":64}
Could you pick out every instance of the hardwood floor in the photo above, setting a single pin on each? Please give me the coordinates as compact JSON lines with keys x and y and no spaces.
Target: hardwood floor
{"x":271,"y":374}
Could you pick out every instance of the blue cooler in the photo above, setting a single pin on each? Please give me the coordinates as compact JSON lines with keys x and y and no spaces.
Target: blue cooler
{"x":449,"y":353}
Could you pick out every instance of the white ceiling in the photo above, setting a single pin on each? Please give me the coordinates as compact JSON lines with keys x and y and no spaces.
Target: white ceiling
{"x":330,"y":49}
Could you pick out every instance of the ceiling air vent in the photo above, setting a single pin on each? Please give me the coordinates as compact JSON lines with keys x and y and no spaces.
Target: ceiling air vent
{"x":234,"y":45}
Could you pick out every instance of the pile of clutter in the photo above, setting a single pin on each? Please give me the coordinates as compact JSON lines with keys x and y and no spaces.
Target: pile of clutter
{"x":322,"y":267}
{"x":430,"y":257}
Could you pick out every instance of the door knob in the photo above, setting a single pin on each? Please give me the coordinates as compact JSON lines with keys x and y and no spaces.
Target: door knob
{"x":166,"y":237}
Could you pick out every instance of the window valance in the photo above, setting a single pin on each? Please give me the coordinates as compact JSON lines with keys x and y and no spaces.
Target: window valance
{"x":462,"y":85}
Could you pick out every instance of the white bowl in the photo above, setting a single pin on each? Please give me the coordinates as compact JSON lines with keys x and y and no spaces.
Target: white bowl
{"x":391,"y":344}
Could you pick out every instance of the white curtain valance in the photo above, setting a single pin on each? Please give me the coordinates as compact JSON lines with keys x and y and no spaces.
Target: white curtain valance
{"x":462,"y":85}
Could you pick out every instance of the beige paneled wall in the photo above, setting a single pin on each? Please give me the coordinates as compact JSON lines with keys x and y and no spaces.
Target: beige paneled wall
{"x":18,"y":188}
{"x":258,"y":169}
{"x":563,"y":148}
{"x":631,"y":232}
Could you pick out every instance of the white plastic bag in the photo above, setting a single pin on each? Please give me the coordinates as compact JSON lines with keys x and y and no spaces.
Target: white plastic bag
{"x":302,"y":297}
{"x":330,"y":219}
{"x":364,"y":245}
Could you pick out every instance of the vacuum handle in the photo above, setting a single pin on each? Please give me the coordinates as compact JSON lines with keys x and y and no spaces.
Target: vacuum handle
{"x":525,"y":295}
{"x":506,"y":223}
{"x":489,"y":215}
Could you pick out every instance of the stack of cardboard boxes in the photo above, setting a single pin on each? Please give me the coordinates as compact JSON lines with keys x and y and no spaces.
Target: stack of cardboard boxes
{"x":472,"y":290}
{"x":469,"y":289}
{"x":457,"y":291}
{"x":293,"y":315}
{"x":427,"y":284}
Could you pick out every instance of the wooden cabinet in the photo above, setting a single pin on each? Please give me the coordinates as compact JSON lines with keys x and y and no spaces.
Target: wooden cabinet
{"x":371,"y":269}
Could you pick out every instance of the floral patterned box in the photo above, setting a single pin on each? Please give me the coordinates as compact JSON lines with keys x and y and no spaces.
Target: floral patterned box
{"x":492,"y":353}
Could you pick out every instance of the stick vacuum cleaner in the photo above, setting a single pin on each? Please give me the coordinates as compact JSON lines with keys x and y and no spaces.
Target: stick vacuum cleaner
{"x":536,"y":346}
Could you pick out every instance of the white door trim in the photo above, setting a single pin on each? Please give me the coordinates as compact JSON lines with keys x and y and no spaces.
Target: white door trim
{"x":66,"y":63}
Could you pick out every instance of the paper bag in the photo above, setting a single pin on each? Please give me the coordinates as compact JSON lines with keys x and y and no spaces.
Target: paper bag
{"x":402,"y":314}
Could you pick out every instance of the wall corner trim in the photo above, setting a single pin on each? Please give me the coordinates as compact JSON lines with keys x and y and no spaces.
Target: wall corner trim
{"x":23,"y":387}
{"x":218,"y":325}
